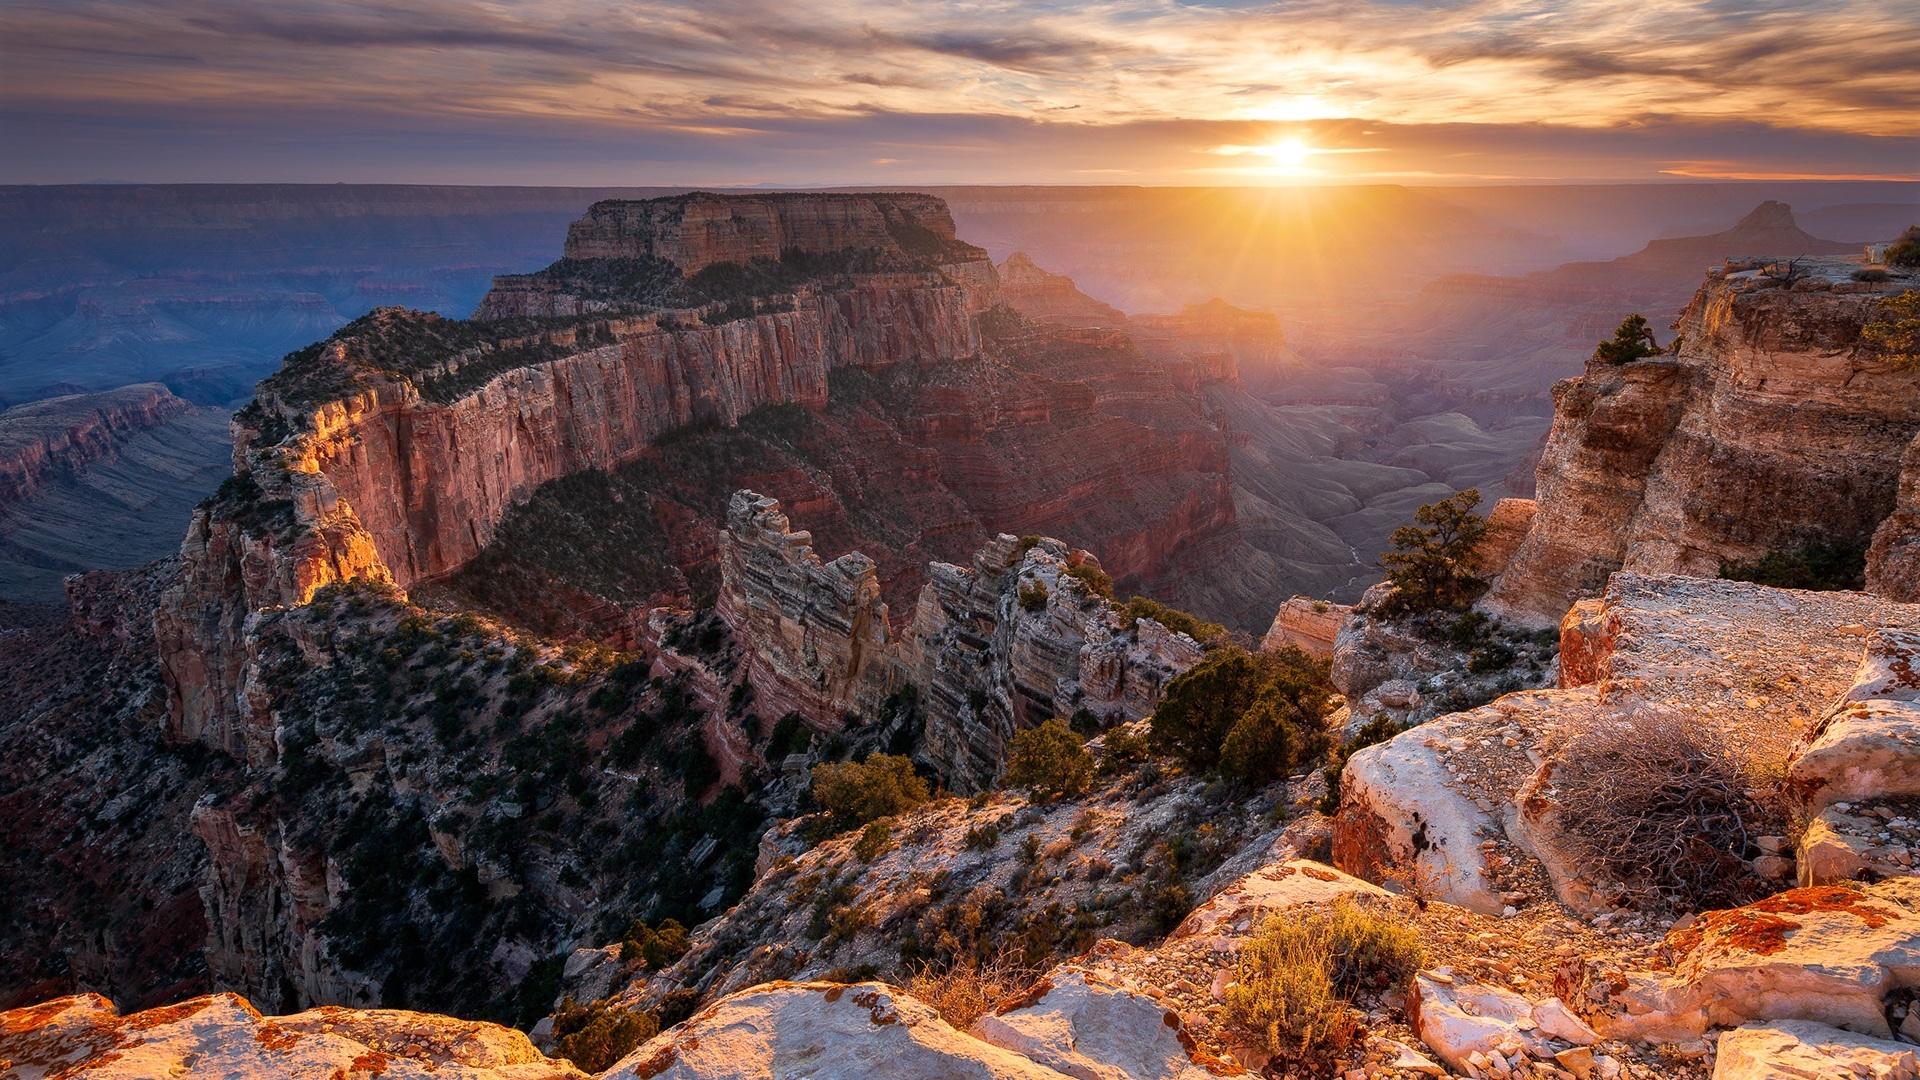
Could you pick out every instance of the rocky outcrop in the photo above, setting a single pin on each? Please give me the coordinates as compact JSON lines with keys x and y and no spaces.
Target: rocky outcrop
{"x":821,"y":1029}
{"x":1893,"y":559}
{"x":816,"y":632}
{"x":1830,"y":954}
{"x":42,"y":439}
{"x":1465,"y":805}
{"x":1801,"y":1048}
{"x":1079,"y":1024}
{"x":1766,"y":427}
{"x":1313,"y":626}
{"x":697,"y":230}
{"x":1051,"y":298}
{"x":222,"y":1035}
{"x":1014,"y":639}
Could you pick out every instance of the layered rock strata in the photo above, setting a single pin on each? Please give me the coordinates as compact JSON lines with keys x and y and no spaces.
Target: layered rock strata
{"x":992,"y":648}
{"x":1310,"y":625}
{"x":1765,"y":427}
{"x":41,"y":439}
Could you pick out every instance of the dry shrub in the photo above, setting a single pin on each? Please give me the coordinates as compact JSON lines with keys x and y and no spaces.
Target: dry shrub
{"x":1295,"y":980}
{"x":964,"y":992}
{"x":1662,"y":805}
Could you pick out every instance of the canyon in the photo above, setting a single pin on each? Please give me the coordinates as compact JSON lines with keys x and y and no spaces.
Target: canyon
{"x":510,"y":639}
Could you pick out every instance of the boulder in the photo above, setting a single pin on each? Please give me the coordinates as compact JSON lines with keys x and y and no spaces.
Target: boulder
{"x":1077,"y":1023}
{"x":1311,"y":625}
{"x":825,"y":1030}
{"x":221,"y":1035}
{"x":1829,"y":954}
{"x":1852,"y":842}
{"x":1868,"y":745}
{"x":1802,"y":1050}
{"x":1461,"y":1020}
{"x":1241,"y":906}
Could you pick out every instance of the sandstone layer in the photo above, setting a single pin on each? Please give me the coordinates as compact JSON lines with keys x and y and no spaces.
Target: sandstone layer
{"x":41,"y":439}
{"x":1766,"y":427}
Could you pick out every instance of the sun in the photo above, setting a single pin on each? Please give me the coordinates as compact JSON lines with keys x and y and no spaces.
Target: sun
{"x":1289,"y":155}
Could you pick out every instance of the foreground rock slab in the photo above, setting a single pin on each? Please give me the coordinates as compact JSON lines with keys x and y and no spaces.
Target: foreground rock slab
{"x":223,"y":1036}
{"x":1829,"y":954}
{"x":824,"y":1030}
{"x":1800,"y":1050}
{"x":1082,"y":1025}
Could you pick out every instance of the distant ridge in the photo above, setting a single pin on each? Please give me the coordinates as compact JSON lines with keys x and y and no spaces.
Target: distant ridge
{"x":1768,"y":229}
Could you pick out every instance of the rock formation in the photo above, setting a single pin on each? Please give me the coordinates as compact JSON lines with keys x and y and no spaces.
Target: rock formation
{"x":816,"y":632}
{"x":41,"y":439}
{"x":222,"y":1035}
{"x":1765,"y":428}
{"x":1051,"y":298}
{"x":1307,"y":624}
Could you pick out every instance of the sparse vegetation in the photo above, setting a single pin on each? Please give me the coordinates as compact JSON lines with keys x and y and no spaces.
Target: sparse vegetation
{"x":1296,"y":979}
{"x":1661,"y":805}
{"x":1894,"y":334}
{"x":1632,"y":340}
{"x":1049,"y":761}
{"x":964,"y":991}
{"x":1905,"y":252}
{"x":876,"y":838}
{"x":595,"y":1036}
{"x":1097,"y":581}
{"x":857,"y":793}
{"x":1250,"y":715}
{"x":1433,"y":562}
{"x":1033,"y":594}
{"x":1820,"y":567}
{"x":654,"y":947}
{"x":1211,"y":635}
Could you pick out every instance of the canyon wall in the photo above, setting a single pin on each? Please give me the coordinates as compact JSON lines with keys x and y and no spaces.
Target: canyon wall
{"x":42,"y":439}
{"x":1764,"y":428}
{"x":696,"y":230}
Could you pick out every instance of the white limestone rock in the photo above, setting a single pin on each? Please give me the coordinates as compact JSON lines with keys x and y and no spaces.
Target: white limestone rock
{"x":1079,"y":1024}
{"x":1802,"y":1050}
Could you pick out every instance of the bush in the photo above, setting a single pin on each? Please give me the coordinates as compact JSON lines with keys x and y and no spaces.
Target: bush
{"x":874,"y":839}
{"x":856,"y":793}
{"x":1205,"y":704}
{"x":1124,"y":747}
{"x":1894,"y":334}
{"x":963,"y":991}
{"x":1049,"y":761}
{"x":1432,"y":562}
{"x":1662,"y":806}
{"x":654,"y":947}
{"x":1033,"y":595}
{"x":1375,"y":731}
{"x":1632,"y":340}
{"x":1905,"y":252}
{"x":790,"y":736}
{"x":1097,"y":580}
{"x":594,"y":1037}
{"x":1295,"y":979}
{"x":1820,"y":567}
{"x":1211,"y":635}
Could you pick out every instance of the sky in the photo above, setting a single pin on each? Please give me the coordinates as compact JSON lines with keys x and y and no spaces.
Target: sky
{"x":792,"y":92}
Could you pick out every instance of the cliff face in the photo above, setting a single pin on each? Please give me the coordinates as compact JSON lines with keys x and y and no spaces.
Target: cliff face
{"x":1765,"y":429}
{"x":695,"y":231}
{"x":992,"y":648}
{"x":40,"y":440}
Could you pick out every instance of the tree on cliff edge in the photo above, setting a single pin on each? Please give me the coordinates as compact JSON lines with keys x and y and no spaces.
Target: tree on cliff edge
{"x":1632,"y":340}
{"x":1432,"y":563}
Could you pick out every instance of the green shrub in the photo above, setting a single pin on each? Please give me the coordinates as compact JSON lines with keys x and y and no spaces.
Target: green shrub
{"x":856,"y":793}
{"x":790,"y":736}
{"x":594,"y":1037}
{"x":983,"y":837}
{"x":1432,"y":563}
{"x":655,"y":947}
{"x":1375,"y":731}
{"x":1295,"y":979}
{"x":1097,"y":580}
{"x":1211,"y":635}
{"x":1894,"y":334}
{"x":1049,"y":761}
{"x":1125,"y":747}
{"x":1905,"y":251}
{"x":1632,"y":340}
{"x":1204,"y":705}
{"x":1033,"y":595}
{"x":1821,"y":567}
{"x":874,"y":839}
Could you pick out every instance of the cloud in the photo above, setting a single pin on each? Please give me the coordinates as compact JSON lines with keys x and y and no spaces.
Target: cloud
{"x":929,"y":84}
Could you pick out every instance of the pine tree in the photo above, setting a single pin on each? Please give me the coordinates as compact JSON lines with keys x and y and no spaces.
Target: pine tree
{"x":1632,"y":341}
